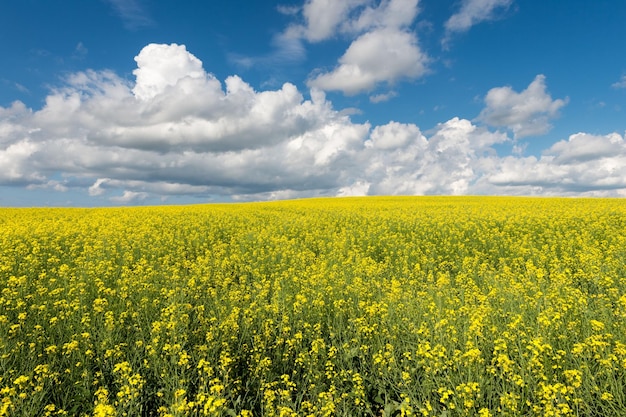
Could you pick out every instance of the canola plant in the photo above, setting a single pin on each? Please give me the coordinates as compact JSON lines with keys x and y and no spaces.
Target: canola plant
{"x":405,"y":306}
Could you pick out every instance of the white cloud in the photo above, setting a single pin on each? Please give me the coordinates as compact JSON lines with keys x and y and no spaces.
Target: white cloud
{"x":357,"y":189}
{"x":129,"y":197}
{"x":395,"y":135}
{"x":621,"y":83}
{"x":178,"y":131}
{"x":15,"y":160}
{"x":401,"y":160}
{"x":383,"y":48}
{"x":96,"y":188}
{"x":175,"y":104}
{"x":323,"y":18}
{"x":473,"y":12}
{"x":379,"y":98}
{"x":583,"y":147}
{"x":388,"y":14}
{"x":526,"y":113}
{"x":381,"y":55}
{"x":163,"y":66}
{"x":12,"y":122}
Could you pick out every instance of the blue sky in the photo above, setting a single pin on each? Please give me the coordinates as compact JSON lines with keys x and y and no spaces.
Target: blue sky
{"x":115,"y":102}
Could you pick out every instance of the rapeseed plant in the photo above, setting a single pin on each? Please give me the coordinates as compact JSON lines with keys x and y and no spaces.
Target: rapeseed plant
{"x":410,"y":306}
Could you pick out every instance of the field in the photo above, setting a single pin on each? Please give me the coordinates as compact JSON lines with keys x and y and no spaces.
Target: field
{"x":416,"y":306}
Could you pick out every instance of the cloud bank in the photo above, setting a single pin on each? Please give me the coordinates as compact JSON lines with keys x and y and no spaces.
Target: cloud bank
{"x":179,"y":131}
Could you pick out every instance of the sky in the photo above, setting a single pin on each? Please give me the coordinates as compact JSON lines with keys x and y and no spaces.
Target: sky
{"x":147,"y":102}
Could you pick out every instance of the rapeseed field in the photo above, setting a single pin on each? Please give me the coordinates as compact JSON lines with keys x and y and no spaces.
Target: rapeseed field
{"x":412,"y":306}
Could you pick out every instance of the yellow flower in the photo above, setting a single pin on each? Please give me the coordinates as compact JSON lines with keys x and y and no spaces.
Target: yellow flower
{"x":607,"y":396}
{"x":21,"y":380}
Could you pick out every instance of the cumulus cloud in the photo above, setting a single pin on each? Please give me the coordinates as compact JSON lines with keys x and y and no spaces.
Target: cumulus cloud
{"x":472,"y":12}
{"x":163,"y":66}
{"x":400,"y":159}
{"x":527,"y":113}
{"x":175,"y":104}
{"x":383,"y":49}
{"x":583,"y":147}
{"x":383,"y":55}
{"x":179,"y":131}
{"x":387,"y":14}
{"x":323,"y":17}
{"x":15,"y":160}
{"x":356,"y":189}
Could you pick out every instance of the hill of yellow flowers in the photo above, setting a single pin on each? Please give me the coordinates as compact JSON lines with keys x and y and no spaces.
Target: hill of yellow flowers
{"x":406,"y":306}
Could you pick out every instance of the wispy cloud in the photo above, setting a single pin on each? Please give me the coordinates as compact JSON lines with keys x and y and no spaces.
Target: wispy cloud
{"x":621,"y":83}
{"x":288,"y":10}
{"x":379,"y":98}
{"x":14,"y":85}
{"x":132,"y":13}
{"x":21,"y":88}
{"x":80,"y":51}
{"x":471,"y":13}
{"x":287,"y":50}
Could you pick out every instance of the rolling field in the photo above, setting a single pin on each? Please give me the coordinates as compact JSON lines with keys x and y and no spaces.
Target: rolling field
{"x":412,"y":306}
